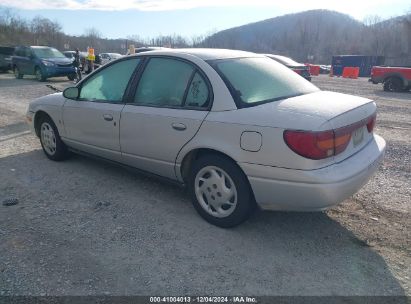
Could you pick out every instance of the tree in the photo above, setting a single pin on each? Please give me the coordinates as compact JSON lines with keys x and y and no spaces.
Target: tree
{"x":93,"y":36}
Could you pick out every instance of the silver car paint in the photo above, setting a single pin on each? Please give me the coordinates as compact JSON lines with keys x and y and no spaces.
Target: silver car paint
{"x":86,"y":127}
{"x":313,"y":190}
{"x":163,"y":132}
{"x":221,"y":130}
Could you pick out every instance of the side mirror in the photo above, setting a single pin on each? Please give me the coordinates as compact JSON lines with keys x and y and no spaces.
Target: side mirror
{"x":71,"y":93}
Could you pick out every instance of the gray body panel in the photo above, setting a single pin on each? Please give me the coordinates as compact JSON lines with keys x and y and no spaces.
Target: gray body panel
{"x":158,"y":139}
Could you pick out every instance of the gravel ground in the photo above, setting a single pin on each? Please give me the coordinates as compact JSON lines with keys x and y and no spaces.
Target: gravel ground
{"x":85,"y":227}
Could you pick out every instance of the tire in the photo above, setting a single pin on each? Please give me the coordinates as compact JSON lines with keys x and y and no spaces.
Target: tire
{"x":220,"y":191}
{"x":71,"y":77}
{"x":39,"y":75}
{"x":17,"y":73}
{"x":50,"y":140}
{"x":393,"y":84}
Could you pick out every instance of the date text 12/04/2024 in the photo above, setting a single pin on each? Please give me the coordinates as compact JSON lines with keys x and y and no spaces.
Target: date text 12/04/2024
{"x":203,"y":299}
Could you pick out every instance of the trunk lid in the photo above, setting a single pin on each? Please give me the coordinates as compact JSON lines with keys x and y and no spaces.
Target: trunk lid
{"x":342,"y":113}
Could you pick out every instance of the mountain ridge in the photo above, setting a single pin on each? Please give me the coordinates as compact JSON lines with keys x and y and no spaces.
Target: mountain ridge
{"x":316,"y":34}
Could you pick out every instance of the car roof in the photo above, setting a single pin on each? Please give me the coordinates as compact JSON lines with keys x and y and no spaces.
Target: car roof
{"x":284,"y":60}
{"x":205,"y":54}
{"x":41,"y":47}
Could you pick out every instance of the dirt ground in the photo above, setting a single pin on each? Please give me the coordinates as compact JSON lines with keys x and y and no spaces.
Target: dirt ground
{"x":85,"y":227}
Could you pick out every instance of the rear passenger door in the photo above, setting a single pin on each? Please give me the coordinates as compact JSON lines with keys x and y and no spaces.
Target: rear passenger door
{"x":171,"y":100}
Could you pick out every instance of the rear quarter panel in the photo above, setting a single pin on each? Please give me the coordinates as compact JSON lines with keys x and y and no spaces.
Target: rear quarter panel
{"x":221,"y":131}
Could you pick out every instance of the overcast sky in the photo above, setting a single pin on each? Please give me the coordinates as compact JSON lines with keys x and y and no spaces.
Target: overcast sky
{"x":147,"y":18}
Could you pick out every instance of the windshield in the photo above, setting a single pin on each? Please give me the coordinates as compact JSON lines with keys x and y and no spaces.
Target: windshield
{"x":254,"y":81}
{"x":48,"y":53}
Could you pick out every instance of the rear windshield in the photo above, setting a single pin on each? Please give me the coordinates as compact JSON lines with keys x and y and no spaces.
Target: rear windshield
{"x":254,"y":81}
{"x":48,"y":53}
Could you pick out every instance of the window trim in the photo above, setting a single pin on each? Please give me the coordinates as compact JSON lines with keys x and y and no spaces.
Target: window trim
{"x":102,"y":68}
{"x":136,"y":81}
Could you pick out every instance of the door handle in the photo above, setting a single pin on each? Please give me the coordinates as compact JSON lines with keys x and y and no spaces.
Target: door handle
{"x":108,"y":117}
{"x":178,"y":126}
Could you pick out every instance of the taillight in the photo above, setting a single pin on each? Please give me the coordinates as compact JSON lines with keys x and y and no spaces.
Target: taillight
{"x":371,"y":123}
{"x":313,"y":145}
{"x":324,"y":144}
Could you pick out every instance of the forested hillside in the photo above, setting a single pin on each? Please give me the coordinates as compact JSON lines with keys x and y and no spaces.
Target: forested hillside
{"x":311,"y":36}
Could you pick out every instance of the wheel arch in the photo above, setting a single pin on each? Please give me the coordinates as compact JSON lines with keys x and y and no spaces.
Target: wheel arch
{"x":194,"y":154}
{"x":395,"y":75}
{"x":35,"y":67}
{"x":38,"y":116}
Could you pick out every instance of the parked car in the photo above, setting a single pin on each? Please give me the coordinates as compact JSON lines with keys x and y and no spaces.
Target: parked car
{"x":236,"y":128}
{"x":70,"y":55}
{"x":325,"y":69}
{"x":394,"y":79}
{"x":5,"y":58}
{"x":41,"y":61}
{"x":299,"y":68}
{"x":107,"y":57}
{"x":84,"y":66}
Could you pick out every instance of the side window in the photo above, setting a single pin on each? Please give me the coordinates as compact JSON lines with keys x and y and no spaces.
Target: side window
{"x":197,"y":95}
{"x":163,"y":82}
{"x":110,"y":83}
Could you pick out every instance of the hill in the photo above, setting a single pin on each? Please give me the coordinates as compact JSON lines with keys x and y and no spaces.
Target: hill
{"x":316,"y":35}
{"x":310,"y":36}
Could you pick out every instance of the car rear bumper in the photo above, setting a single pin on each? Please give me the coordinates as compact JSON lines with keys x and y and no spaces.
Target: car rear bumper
{"x":313,"y":190}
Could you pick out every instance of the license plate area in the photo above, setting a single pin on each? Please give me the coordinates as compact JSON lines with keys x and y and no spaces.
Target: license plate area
{"x":358,"y":136}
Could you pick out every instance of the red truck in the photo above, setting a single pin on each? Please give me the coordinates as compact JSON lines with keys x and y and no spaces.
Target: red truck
{"x":395,"y":79}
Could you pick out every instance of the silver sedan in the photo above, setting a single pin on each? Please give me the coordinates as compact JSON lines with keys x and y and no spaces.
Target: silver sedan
{"x":238,"y":129}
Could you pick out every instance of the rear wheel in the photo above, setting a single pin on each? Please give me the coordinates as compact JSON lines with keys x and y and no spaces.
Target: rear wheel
{"x":220,"y":191}
{"x":71,"y":77}
{"x":39,"y":75}
{"x":393,"y":84}
{"x":50,"y":140}
{"x":17,"y":73}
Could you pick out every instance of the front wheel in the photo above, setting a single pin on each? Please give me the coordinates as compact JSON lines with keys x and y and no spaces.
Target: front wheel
{"x":50,"y":140}
{"x":220,"y":191}
{"x":39,"y":75}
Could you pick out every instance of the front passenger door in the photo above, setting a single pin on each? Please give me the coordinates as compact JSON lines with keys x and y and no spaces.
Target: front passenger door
{"x":92,"y":122}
